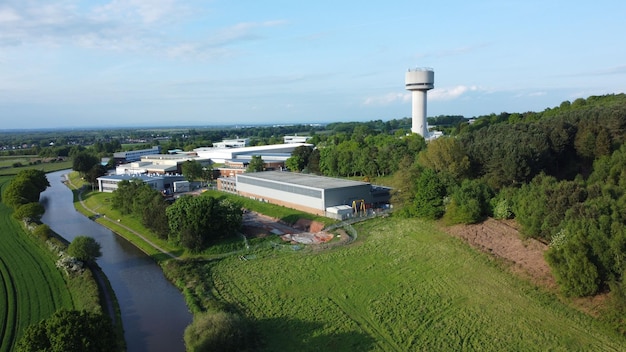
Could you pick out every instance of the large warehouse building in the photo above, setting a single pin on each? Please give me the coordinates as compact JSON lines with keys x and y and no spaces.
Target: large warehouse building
{"x":310,"y":193}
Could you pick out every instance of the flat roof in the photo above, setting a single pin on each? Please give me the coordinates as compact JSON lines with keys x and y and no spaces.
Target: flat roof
{"x":143,"y":177}
{"x":306,"y":180}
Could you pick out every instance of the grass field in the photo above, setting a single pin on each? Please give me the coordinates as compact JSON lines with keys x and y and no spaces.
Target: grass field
{"x":31,"y":287}
{"x":7,"y":162}
{"x":403,"y":286}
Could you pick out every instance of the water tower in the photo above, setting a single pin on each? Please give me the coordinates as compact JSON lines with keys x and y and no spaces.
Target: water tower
{"x":419,"y":81}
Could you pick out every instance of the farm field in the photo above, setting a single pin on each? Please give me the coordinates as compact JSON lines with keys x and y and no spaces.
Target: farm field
{"x":31,"y":287}
{"x":6,"y":163}
{"x":403,"y":286}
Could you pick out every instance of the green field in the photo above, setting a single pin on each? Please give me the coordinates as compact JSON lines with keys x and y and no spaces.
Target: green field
{"x":6,"y":163}
{"x":31,"y":287}
{"x":402,"y":286}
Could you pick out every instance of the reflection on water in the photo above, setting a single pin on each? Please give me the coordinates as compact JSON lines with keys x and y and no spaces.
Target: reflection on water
{"x":153,"y":310}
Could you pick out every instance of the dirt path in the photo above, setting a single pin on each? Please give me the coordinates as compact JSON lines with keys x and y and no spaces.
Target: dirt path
{"x":501,"y":238}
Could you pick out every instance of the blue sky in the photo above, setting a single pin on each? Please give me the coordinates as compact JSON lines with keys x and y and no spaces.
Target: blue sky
{"x":167,"y":62}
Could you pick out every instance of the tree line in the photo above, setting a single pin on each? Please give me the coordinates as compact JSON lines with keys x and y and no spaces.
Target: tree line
{"x":194,"y":222}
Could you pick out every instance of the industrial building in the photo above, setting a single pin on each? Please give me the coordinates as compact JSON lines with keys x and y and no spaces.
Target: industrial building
{"x":295,"y":139}
{"x":320,"y":195}
{"x":266,"y":152}
{"x":160,"y":164}
{"x":162,"y":183}
{"x":134,"y":155}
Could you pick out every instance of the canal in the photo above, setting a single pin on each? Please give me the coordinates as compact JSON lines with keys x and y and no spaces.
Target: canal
{"x":154,"y":313}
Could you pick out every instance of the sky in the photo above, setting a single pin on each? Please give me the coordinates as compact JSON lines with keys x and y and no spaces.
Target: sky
{"x":70,"y":63}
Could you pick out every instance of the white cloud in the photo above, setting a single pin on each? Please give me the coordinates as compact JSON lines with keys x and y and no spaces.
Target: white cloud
{"x":146,"y":11}
{"x":450,"y":93}
{"x":8,"y":15}
{"x":387,"y":99}
{"x":437,"y":94}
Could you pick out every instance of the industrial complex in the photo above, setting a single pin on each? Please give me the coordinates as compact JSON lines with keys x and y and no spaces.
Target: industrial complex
{"x":325,"y":196}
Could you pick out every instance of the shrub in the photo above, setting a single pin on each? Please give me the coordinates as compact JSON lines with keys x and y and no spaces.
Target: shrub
{"x":219,"y":331}
{"x":42,"y":231}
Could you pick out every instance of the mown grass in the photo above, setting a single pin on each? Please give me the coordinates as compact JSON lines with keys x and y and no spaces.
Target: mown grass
{"x":402,"y":286}
{"x":6,"y":168}
{"x":33,"y":287}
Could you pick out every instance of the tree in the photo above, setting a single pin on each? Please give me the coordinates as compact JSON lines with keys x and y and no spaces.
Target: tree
{"x":256,"y":164}
{"x":29,"y":212}
{"x":84,"y":248}
{"x":19,"y":192}
{"x":299,"y":158}
{"x":430,"y":191}
{"x":96,"y":171}
{"x":70,"y":330}
{"x":446,"y":154}
{"x":84,"y":161}
{"x":192,"y":170}
{"x":36,"y":177}
{"x":195,"y":221}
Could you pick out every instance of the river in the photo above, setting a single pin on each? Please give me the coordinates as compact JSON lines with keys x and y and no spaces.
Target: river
{"x":154,"y":313}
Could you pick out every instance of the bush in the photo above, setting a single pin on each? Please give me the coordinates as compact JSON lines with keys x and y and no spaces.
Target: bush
{"x":70,"y":330}
{"x":42,"y":232}
{"x":84,"y":248}
{"x":469,"y":203}
{"x":220,"y":331}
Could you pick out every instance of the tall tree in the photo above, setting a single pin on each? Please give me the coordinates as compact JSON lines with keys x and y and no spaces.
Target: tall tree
{"x":256,"y":164}
{"x":446,"y":154}
{"x":83,"y":162}
{"x":192,"y":170}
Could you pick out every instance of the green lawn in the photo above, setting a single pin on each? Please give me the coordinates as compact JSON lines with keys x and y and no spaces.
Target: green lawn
{"x":31,"y":287}
{"x":403,"y":286}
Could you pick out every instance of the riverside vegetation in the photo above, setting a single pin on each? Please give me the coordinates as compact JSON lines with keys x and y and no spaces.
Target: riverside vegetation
{"x":31,"y":287}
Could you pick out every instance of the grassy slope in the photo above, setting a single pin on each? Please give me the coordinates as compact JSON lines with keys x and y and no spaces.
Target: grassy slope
{"x":33,"y":287}
{"x":403,"y":286}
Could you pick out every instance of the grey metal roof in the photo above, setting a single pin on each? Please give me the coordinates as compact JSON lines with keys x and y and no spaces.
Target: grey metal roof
{"x":306,"y":180}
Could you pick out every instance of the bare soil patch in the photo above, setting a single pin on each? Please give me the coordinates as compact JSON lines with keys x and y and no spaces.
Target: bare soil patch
{"x":501,"y":238}
{"x":303,"y":231}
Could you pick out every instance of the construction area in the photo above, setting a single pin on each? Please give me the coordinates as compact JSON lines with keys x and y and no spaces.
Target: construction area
{"x":303,"y":231}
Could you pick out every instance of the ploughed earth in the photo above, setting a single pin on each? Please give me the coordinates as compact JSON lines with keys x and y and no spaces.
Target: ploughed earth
{"x":501,"y":238}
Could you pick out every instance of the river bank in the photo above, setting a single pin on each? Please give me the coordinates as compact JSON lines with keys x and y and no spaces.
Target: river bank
{"x":153,"y":311}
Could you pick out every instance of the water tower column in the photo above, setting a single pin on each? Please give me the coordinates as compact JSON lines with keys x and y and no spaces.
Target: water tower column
{"x":419,"y":81}
{"x":418,"y":112}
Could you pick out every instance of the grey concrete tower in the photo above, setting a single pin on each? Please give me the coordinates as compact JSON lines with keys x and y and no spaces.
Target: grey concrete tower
{"x":419,"y":81}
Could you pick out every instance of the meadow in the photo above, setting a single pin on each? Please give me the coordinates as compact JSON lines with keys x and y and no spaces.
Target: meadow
{"x":31,"y":287}
{"x":6,"y":164}
{"x":402,"y":286}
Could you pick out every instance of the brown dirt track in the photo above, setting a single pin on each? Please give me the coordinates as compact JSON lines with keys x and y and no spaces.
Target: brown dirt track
{"x":501,"y":238}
